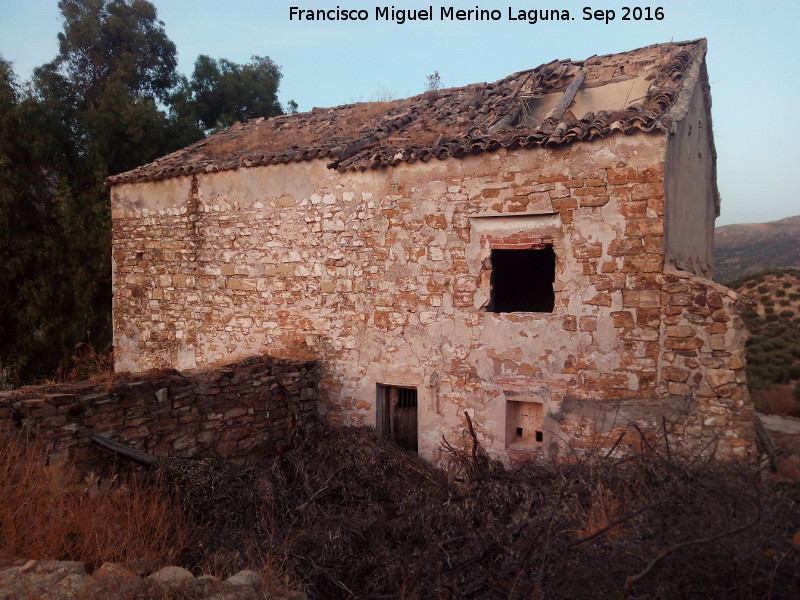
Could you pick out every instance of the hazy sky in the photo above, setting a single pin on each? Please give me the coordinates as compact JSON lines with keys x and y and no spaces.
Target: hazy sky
{"x":752,"y":62}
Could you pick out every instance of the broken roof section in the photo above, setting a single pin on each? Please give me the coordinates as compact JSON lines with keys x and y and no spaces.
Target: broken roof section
{"x":646,"y":89}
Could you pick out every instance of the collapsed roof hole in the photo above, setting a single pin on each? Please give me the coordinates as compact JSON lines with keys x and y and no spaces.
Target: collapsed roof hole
{"x":522,"y":280}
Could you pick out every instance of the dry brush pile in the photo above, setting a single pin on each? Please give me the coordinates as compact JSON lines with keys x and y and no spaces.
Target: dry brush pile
{"x":352,"y":516}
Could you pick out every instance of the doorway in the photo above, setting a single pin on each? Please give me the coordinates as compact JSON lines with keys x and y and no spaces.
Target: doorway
{"x":397,"y":415}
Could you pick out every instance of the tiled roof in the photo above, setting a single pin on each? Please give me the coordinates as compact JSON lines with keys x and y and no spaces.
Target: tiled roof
{"x":458,"y":121}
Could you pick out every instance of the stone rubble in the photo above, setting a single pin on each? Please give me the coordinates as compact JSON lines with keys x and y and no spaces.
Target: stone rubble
{"x":66,"y":580}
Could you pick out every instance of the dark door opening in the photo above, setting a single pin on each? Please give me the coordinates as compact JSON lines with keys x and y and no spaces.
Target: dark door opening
{"x":397,"y":415}
{"x":522,"y":280}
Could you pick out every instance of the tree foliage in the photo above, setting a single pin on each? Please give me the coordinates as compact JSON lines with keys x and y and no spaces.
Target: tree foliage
{"x":222,"y":92}
{"x":27,"y":222}
{"x":110,"y":101}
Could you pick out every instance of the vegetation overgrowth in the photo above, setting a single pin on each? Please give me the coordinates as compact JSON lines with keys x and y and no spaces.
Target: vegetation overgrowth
{"x":348,"y":514}
{"x":352,"y":515}
{"x":47,"y":512}
{"x":110,"y":100}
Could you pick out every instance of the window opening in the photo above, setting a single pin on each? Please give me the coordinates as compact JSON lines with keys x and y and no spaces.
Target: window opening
{"x":522,"y":280}
{"x":397,"y":415}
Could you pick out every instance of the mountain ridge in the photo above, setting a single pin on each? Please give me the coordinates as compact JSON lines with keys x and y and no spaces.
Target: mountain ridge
{"x":744,"y":248}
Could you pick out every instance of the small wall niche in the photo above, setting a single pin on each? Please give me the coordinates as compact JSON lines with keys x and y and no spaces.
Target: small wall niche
{"x":524,"y":425}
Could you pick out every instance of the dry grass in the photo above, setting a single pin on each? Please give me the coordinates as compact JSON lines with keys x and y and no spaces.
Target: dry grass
{"x":605,"y":511}
{"x":44,"y":514}
{"x":777,"y":400}
{"x":89,"y":363}
{"x":261,"y":139}
{"x":356,"y":117}
{"x":298,"y":131}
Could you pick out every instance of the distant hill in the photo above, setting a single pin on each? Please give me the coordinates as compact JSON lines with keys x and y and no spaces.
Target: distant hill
{"x":751,"y":247}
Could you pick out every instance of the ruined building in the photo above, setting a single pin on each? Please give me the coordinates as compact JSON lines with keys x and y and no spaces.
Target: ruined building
{"x":534,"y":251}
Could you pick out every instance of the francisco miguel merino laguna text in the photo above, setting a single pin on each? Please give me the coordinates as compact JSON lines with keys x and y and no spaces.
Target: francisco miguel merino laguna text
{"x":450,"y":13}
{"x":445,"y":13}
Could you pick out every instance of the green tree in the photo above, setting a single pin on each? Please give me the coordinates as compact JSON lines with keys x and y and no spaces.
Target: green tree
{"x":111,"y":100}
{"x":32,"y":290}
{"x":92,"y":111}
{"x":222,"y":92}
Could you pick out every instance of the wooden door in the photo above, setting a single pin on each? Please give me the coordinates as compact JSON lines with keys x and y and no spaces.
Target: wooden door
{"x":397,"y":414}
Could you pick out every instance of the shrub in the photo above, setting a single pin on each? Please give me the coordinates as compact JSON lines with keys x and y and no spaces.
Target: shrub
{"x":776,"y":400}
{"x":763,"y":289}
{"x":749,"y":313}
{"x":786,"y":314}
{"x":88,"y":363}
{"x":787,"y":284}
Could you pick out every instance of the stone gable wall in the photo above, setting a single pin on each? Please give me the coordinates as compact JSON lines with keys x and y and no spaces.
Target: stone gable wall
{"x":383,"y":276}
{"x":242,"y":411}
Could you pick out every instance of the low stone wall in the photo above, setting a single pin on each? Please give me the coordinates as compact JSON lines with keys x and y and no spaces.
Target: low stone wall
{"x":703,"y":359}
{"x":241,"y":412}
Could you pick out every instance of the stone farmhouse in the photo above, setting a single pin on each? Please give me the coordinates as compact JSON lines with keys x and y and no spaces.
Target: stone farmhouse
{"x":535,"y":251}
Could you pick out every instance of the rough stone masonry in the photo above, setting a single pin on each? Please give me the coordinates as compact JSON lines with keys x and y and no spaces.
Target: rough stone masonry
{"x":406,"y":276}
{"x":240,"y":412}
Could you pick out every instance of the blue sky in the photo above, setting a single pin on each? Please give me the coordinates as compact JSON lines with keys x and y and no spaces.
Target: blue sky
{"x":752,"y":62}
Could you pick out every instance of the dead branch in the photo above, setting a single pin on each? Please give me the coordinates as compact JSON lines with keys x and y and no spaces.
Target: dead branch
{"x":633,"y":579}
{"x":614,"y":447}
{"x":378,"y":522}
{"x":666,"y":437}
{"x":474,"y":437}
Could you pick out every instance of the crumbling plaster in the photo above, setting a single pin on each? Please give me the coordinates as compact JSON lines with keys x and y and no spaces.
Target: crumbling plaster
{"x":381,"y":275}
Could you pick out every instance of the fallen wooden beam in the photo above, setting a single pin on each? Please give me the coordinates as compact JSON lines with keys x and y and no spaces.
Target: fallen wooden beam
{"x":569,"y":95}
{"x":123,"y":451}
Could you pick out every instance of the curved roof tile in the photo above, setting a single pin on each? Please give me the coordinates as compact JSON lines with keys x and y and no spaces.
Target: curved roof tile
{"x":453,"y":122}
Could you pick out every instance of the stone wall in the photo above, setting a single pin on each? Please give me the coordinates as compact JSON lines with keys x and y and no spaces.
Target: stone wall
{"x":702,"y":361}
{"x":241,"y":411}
{"x":702,"y":404}
{"x":384,"y":277}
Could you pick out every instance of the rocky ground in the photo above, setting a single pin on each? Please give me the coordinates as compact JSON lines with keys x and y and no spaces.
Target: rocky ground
{"x":66,"y":580}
